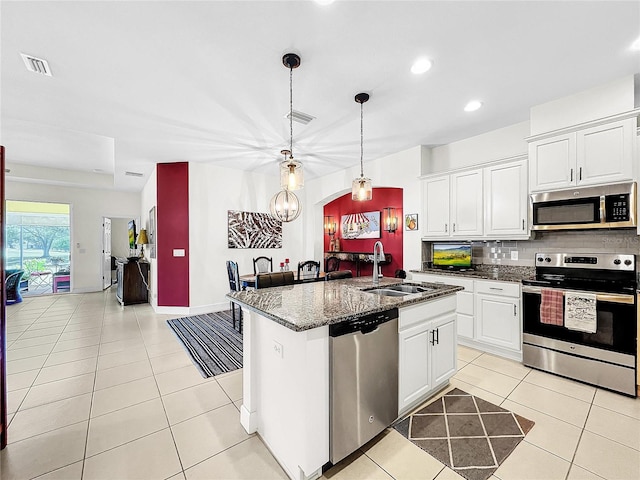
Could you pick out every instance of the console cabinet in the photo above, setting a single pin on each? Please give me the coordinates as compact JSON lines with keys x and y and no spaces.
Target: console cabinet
{"x":133,"y":278}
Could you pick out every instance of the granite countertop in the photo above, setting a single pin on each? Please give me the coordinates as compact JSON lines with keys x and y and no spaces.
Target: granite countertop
{"x":504,"y":273}
{"x":310,"y":305}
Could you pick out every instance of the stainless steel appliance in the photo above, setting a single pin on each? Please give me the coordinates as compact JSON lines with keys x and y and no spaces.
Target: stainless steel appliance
{"x":607,"y":206}
{"x":363,"y":380}
{"x":606,"y":358}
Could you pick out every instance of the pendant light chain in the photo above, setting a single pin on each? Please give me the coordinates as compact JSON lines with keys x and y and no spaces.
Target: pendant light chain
{"x":361,"y":140}
{"x":290,"y":112}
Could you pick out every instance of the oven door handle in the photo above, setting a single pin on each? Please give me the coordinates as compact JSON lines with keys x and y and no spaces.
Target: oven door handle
{"x":600,"y":297}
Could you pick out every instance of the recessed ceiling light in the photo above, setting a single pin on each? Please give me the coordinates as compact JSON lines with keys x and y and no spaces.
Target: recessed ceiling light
{"x":635,"y":46}
{"x":98,"y":170}
{"x":472,"y":106}
{"x":324,"y":2}
{"x":421,"y":65}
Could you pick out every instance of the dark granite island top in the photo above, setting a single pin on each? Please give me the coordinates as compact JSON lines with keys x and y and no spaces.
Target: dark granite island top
{"x":310,"y":305}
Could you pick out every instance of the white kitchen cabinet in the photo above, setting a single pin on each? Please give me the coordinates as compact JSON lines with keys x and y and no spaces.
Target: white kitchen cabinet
{"x":464,"y":300}
{"x":427,"y":350}
{"x":466,"y":204}
{"x":436,"y":207}
{"x":589,"y":156}
{"x":443,"y":350}
{"x":452,"y":205}
{"x":498,"y":315}
{"x":506,"y":200}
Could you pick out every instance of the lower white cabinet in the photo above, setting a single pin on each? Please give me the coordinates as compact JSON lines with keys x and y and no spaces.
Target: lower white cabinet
{"x":498,"y":315}
{"x":427,"y":350}
{"x":487,"y":313}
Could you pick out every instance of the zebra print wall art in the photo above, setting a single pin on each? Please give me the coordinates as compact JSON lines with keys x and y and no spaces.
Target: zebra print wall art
{"x":254,"y":230}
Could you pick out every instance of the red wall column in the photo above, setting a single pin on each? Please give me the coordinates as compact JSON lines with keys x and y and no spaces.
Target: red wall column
{"x":172,"y":226}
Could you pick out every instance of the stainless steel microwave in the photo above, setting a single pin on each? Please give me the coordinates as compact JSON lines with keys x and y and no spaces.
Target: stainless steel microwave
{"x":606,"y":206}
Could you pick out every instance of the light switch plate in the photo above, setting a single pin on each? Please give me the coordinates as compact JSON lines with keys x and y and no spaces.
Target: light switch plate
{"x":514,"y":254}
{"x":178,"y":252}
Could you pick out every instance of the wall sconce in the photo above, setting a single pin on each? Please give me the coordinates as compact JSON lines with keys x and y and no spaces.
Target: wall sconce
{"x":390,"y":219}
{"x":329,"y":225}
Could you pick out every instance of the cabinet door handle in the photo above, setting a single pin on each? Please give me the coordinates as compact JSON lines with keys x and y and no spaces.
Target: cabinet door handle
{"x":523,"y":224}
{"x":571,"y":178}
{"x":454,"y":227}
{"x":437,"y":336}
{"x":515,"y":310}
{"x":433,"y":337}
{"x":445,"y":228}
{"x":580,"y":174}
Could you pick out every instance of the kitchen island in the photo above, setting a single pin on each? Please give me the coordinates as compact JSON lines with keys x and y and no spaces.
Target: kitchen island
{"x":286,"y":358}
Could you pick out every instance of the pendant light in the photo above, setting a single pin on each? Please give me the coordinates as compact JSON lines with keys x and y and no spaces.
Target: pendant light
{"x":285,"y":206}
{"x":361,"y":187}
{"x":291,"y":176}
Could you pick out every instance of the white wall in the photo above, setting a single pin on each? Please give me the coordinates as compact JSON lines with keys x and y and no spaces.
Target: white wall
{"x":400,"y":170}
{"x":599,"y":102}
{"x":212,"y":192}
{"x":148,"y":200}
{"x":491,"y":146}
{"x":120,"y":237}
{"x":88,"y":207}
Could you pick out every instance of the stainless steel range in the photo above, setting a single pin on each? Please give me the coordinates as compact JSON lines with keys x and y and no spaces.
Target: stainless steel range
{"x":605,"y":288}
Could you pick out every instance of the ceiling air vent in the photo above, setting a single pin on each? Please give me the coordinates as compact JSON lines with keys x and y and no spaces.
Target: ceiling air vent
{"x":134,"y":174}
{"x":300,"y":117}
{"x":36,"y":65}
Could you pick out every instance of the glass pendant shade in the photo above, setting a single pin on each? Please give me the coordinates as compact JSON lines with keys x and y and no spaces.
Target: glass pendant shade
{"x":285,"y":206}
{"x":291,"y":175}
{"x":361,"y":189}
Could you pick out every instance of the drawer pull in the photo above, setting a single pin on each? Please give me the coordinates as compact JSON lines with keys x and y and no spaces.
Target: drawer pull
{"x":496,"y":288}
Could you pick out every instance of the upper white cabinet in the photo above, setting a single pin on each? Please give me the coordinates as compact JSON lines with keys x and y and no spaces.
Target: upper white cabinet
{"x":489,"y":202}
{"x":590,"y":156}
{"x":506,"y":200}
{"x":453,"y":205}
{"x":466,"y":204}
{"x":436,"y":206}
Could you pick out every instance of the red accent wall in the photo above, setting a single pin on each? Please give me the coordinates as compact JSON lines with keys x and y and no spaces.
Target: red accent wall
{"x":172,"y":224}
{"x":392,"y":242}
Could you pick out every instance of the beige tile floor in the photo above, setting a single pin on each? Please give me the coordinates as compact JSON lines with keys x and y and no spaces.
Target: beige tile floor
{"x":101,"y":391}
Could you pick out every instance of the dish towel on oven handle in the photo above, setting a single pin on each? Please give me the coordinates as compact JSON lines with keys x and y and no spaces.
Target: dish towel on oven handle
{"x":551,"y":307}
{"x":580,"y":312}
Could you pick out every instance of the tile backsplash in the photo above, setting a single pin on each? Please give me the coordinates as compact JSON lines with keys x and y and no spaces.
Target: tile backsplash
{"x":584,"y":241}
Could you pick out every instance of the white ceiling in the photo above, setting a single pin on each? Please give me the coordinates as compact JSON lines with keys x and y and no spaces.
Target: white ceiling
{"x":139,"y":83}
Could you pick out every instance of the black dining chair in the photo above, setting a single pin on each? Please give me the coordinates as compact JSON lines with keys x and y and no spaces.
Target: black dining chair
{"x":331,"y":264}
{"x":338,"y":275}
{"x":276,"y":279}
{"x":308,"y":270}
{"x":12,"y":287}
{"x":262,"y":265}
{"x":234,"y":286}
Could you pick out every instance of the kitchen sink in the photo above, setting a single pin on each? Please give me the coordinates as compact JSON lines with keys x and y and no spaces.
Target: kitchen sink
{"x":387,"y":292}
{"x":410,"y":288}
{"x":400,"y":290}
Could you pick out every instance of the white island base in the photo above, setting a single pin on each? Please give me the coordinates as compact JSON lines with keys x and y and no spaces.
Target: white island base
{"x":286,"y":379}
{"x":286,"y":393}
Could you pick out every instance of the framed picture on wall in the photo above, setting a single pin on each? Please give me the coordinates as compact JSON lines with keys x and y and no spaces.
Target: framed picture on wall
{"x":411,"y":221}
{"x":360,"y":225}
{"x":152,"y":233}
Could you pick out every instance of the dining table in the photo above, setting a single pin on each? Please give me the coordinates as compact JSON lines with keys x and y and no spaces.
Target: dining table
{"x":249,"y":280}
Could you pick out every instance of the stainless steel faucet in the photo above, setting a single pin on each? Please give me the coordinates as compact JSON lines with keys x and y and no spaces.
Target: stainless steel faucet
{"x":378,"y":254}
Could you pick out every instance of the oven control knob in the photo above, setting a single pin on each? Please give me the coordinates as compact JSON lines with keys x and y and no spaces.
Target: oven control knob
{"x":547,"y":259}
{"x":540,"y":259}
{"x":627,"y":262}
{"x":616,"y":261}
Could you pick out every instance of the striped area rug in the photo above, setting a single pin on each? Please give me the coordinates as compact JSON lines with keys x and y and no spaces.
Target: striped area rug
{"x":210,"y":339}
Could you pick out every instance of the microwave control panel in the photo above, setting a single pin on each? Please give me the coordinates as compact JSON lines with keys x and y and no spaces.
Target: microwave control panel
{"x":617,"y":208}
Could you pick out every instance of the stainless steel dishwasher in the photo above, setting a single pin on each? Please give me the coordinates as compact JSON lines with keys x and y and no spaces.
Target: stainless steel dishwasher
{"x":363,"y":380}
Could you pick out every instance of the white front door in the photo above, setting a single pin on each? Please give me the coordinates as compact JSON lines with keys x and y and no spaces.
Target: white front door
{"x":106,"y":253}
